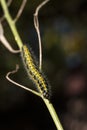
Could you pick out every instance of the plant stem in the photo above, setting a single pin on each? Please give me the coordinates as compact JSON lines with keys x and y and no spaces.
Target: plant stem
{"x":53,"y":114}
{"x":11,"y":23}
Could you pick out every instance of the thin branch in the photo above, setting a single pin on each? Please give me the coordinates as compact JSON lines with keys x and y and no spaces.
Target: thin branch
{"x":21,"y":86}
{"x":11,"y":23}
{"x":53,"y":114}
{"x":5,"y":42}
{"x":1,"y":30}
{"x":8,"y":4}
{"x":20,"y":10}
{"x":36,"y":24}
{"x":7,"y":45}
{"x":40,"y":6}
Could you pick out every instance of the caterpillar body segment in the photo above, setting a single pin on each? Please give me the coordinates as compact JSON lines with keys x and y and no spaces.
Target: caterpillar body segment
{"x":34,"y":73}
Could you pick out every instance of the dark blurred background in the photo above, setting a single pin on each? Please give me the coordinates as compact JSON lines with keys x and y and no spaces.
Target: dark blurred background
{"x":63,"y":26}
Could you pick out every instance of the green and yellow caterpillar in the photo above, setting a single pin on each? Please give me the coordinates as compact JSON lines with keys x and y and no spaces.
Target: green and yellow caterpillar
{"x":34,"y":73}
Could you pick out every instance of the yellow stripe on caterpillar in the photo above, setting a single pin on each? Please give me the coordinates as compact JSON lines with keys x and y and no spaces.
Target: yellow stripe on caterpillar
{"x":33,"y":71}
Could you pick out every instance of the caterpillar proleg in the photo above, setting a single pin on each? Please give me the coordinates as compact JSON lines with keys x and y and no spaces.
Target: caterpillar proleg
{"x":34,"y":73}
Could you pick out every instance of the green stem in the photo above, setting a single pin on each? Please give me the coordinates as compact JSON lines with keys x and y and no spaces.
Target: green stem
{"x":11,"y":23}
{"x":53,"y":114}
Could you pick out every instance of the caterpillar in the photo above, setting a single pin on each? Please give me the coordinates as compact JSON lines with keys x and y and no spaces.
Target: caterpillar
{"x":34,"y":73}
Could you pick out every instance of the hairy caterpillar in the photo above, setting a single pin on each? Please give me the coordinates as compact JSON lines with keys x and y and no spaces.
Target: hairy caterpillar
{"x":34,"y":73}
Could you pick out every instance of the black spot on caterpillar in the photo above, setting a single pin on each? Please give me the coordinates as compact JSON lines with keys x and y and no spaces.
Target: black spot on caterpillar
{"x":34,"y":73}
